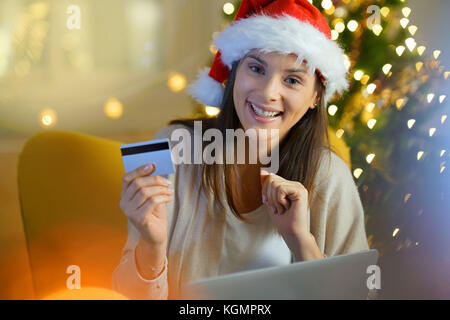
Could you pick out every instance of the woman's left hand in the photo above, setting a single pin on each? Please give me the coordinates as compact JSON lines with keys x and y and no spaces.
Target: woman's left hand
{"x":288,"y":203}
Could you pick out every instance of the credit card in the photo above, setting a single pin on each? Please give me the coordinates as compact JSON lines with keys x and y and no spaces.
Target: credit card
{"x":156,"y":151}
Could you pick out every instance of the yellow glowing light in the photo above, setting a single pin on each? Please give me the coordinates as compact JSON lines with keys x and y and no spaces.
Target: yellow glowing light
{"x":412,"y":29}
{"x":442,"y":169}
{"x":357,"y":172}
{"x":212,"y":49}
{"x":442,"y":98}
{"x":419,"y":155}
{"x":406,"y":198}
{"x":326,"y":4}
{"x":430,"y":97}
{"x":340,"y":12}
{"x":442,"y":152}
{"x":47,"y":118}
{"x":365,"y":78}
{"x":370,"y":157}
{"x":400,"y":103}
{"x":406,"y":11}
{"x":212,"y":111}
{"x":330,"y":11}
{"x":377,"y":29}
{"x":371,"y":88}
{"x":113,"y":108}
{"x":410,"y":43}
{"x":411,"y":123}
{"x":386,"y":68}
{"x":431,"y":131}
{"x":396,"y":230}
{"x":332,"y":110}
{"x":421,"y":50}
{"x":85,"y":293}
{"x":358,"y":75}
{"x":352,"y":25}
{"x":339,"y":133}
{"x":404,"y":22}
{"x":384,"y":11}
{"x":228,"y":8}
{"x":400,"y":50}
{"x":39,"y":10}
{"x":436,"y":53}
{"x":443,"y":118}
{"x":370,"y":106}
{"x":339,"y":27}
{"x":371,"y":123}
{"x":334,"y":34}
{"x":446,"y":74}
{"x":419,"y":66}
{"x":176,"y":81}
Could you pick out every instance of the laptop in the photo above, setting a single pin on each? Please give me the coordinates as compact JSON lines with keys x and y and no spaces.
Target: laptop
{"x":339,"y":277}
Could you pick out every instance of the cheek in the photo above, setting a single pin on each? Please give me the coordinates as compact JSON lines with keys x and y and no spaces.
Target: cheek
{"x":296,"y":109}
{"x":242,"y":85}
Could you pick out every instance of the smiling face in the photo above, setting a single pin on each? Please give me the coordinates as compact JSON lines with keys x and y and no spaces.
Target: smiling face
{"x":273,"y":91}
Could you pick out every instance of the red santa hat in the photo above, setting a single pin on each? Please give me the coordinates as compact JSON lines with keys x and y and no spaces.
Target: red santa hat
{"x":284,"y":26}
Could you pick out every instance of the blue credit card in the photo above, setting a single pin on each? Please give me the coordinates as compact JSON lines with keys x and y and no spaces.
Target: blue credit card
{"x":157,"y":151}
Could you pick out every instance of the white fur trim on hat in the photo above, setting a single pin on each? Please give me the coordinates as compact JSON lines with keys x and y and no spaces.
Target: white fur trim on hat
{"x":285,"y":34}
{"x":206,"y":90}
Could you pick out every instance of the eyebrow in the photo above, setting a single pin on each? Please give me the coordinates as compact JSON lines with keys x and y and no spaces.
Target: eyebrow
{"x":265,"y":64}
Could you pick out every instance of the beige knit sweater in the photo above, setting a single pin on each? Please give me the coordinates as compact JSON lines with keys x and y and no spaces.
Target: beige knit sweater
{"x":196,"y":228}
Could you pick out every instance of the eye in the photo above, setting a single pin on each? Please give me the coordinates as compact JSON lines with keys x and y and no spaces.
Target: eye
{"x":257,"y":67}
{"x":296,"y":81}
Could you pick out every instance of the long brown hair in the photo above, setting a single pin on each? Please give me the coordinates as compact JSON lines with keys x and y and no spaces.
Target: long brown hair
{"x":300,"y":151}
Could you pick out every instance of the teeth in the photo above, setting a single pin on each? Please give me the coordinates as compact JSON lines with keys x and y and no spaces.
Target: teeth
{"x":263,"y":113}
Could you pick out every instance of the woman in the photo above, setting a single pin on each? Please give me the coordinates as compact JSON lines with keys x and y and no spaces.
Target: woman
{"x":225,"y":218}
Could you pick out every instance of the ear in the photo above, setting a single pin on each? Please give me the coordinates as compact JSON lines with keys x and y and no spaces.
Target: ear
{"x":316,"y":100}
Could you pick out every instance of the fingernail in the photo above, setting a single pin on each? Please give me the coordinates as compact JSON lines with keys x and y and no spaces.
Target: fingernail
{"x":148,"y":166}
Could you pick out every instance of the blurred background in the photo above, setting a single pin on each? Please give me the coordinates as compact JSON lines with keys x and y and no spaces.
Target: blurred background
{"x":118,"y":70}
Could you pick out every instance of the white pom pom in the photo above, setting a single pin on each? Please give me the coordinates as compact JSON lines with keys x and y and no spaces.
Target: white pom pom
{"x":206,"y":90}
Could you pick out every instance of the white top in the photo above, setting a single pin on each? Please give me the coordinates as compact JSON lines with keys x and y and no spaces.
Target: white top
{"x":253,"y":245}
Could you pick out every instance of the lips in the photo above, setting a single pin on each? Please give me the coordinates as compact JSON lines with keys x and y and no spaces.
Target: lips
{"x":261,"y":115}
{"x":264,"y":111}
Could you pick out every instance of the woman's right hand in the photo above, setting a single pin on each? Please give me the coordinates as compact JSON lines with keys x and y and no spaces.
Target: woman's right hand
{"x":143,"y":201}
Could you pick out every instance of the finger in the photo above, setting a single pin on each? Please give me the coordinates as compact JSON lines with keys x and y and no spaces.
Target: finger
{"x":128,"y":177}
{"x":144,"y":193}
{"x":264,"y":183}
{"x":283,"y":200}
{"x":142,"y":182}
{"x":272,"y":195}
{"x":151,"y":204}
{"x":277,"y":192}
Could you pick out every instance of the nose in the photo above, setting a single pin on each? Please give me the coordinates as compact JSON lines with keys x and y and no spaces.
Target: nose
{"x":271,"y":88}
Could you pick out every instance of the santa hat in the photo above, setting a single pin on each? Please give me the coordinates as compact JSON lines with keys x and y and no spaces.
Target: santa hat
{"x":285,"y":26}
